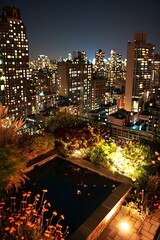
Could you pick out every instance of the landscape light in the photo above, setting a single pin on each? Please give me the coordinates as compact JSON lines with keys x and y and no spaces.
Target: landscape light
{"x":124,"y":226}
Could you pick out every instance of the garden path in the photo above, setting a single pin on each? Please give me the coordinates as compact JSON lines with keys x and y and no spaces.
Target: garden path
{"x":138,"y":229}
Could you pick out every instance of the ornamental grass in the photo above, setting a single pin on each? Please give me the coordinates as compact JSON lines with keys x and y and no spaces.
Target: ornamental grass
{"x":29,"y":220}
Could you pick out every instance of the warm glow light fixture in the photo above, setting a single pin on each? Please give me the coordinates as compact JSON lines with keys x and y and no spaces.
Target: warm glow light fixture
{"x":124,"y":226}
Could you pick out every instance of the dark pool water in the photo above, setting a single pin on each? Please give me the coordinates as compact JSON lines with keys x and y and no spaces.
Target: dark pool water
{"x":72,"y":191}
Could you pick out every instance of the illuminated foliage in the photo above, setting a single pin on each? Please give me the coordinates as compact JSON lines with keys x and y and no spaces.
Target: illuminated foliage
{"x":3,"y":111}
{"x":138,"y":162}
{"x":9,"y":128}
{"x":101,"y":153}
{"x":151,"y":193}
{"x":12,"y":168}
{"x":13,"y":163}
{"x":73,"y":139}
{"x":35,"y":145}
{"x":133,"y":160}
{"x":71,"y":133}
{"x":42,"y":142}
{"x":29,"y":221}
{"x":144,"y":197}
{"x":61,"y":120}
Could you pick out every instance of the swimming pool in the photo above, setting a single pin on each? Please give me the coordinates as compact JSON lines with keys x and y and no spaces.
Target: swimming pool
{"x":73,"y":191}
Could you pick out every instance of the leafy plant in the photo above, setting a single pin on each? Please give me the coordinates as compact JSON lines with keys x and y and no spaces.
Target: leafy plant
{"x":12,"y":167}
{"x":100,"y":153}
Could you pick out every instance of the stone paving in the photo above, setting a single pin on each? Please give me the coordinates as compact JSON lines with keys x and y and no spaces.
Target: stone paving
{"x":138,"y":229}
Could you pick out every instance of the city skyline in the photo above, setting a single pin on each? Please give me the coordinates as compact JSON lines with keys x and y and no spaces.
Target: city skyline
{"x":55,"y":29}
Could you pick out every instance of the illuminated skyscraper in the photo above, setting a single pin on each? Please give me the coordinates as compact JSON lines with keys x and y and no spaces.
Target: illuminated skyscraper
{"x":81,"y":57}
{"x":156,"y":72}
{"x":112,"y":67}
{"x":75,"y":82}
{"x":14,"y":61}
{"x":140,"y":63}
{"x":99,"y":59}
{"x":155,"y":88}
{"x":43,"y":75}
{"x":116,"y":70}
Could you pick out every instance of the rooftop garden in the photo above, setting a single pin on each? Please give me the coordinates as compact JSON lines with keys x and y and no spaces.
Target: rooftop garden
{"x":84,"y":139}
{"x":136,"y":159}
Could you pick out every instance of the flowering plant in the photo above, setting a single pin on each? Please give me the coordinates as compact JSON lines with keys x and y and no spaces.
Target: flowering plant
{"x":29,"y":222}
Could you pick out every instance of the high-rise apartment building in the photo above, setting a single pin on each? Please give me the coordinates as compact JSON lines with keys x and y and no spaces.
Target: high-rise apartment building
{"x":43,"y":76}
{"x":41,"y":62}
{"x":140,"y":64}
{"x":75,"y":82}
{"x":99,"y":65}
{"x":99,"y":59}
{"x":81,"y":57}
{"x":116,"y":70}
{"x":14,"y":62}
{"x":112,"y":67}
{"x":120,"y":72}
{"x":156,"y":71}
{"x":99,"y":92}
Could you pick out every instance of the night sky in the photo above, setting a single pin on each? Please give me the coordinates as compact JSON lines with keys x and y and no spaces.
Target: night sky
{"x":55,"y":28}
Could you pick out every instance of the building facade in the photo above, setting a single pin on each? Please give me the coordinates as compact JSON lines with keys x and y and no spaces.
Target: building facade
{"x":14,"y":63}
{"x":99,"y":59}
{"x":116,"y":70}
{"x":140,"y":64}
{"x":75,"y":82}
{"x":43,"y":78}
